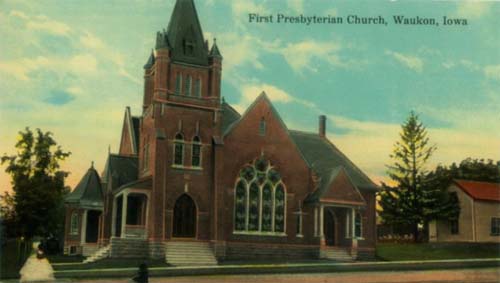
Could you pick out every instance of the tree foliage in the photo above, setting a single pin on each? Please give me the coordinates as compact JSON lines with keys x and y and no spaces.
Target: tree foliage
{"x":36,"y":205}
{"x":413,"y":201}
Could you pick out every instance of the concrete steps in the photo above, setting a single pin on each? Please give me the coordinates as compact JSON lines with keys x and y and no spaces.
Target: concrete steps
{"x":185,"y":253}
{"x":99,"y":254}
{"x":337,"y":254}
{"x":128,"y":248}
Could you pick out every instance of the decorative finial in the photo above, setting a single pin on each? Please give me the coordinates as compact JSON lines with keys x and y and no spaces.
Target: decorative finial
{"x":215,"y":40}
{"x":92,"y":164}
{"x":109,"y":149}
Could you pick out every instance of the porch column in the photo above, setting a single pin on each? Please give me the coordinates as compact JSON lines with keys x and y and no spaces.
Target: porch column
{"x":83,"y":234}
{"x":113,"y":217}
{"x":354,"y":243}
{"x":315,"y":222}
{"x":124,"y":214}
{"x":321,"y":224}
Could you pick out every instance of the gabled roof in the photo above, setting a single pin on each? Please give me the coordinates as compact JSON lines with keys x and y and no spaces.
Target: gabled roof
{"x":229,"y":116}
{"x":151,"y":61}
{"x":132,"y":125}
{"x":345,"y":194}
{"x":214,"y":52}
{"x":120,"y":170}
{"x":325,"y":159}
{"x":184,"y":27}
{"x":480,"y":190}
{"x":88,"y":192}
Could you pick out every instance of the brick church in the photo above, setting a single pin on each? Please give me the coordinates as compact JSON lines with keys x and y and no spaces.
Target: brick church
{"x":195,"y":181}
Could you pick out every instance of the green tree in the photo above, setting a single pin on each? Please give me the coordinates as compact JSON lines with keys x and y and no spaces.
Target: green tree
{"x":37,"y":203}
{"x":410,"y":202}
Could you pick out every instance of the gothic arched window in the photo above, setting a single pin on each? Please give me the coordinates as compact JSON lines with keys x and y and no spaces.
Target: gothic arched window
{"x":196,"y":152}
{"x":197,"y":88}
{"x":178,"y":84}
{"x":179,"y":149}
{"x":260,"y":199}
{"x":187,"y":86}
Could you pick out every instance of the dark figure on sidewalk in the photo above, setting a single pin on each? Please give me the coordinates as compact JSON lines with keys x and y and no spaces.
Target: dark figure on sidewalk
{"x":142,"y":275}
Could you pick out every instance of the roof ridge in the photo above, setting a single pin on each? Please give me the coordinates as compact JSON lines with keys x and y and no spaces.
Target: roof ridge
{"x":474,"y":181}
{"x":348,"y":159}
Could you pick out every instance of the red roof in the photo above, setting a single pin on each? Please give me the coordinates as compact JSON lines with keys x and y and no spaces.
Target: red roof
{"x":480,"y":190}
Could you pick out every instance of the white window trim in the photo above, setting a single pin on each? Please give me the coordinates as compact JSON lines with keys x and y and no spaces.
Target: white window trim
{"x":247,"y":208}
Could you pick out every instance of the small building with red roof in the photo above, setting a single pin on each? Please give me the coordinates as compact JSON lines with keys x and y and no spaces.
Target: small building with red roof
{"x":479,"y":219}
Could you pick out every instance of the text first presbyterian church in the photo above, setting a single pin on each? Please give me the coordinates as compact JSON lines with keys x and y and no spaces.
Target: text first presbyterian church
{"x":195,"y":181}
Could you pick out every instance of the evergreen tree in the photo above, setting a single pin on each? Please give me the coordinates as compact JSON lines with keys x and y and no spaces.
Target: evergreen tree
{"x":410,"y":202}
{"x":36,"y":206}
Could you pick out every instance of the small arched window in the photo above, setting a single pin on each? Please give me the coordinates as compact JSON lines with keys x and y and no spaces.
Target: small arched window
{"x":74,"y":223}
{"x":358,"y":225}
{"x":196,"y":152}
{"x":179,"y":149}
{"x":187,"y":86}
{"x":197,"y":88}
{"x":262,"y":127}
{"x":178,"y":84}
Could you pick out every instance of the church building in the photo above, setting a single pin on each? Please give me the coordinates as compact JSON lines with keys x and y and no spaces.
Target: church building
{"x":196,"y":182}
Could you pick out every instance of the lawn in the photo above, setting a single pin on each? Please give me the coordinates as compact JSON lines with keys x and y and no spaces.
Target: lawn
{"x":13,"y":254}
{"x":429,"y":251}
{"x":104,"y":263}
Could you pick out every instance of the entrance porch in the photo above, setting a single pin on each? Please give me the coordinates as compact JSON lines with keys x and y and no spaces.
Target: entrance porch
{"x":130,"y":214}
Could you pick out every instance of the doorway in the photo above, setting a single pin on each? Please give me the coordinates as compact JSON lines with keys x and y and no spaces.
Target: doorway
{"x":184,"y":217}
{"x":330,"y":228}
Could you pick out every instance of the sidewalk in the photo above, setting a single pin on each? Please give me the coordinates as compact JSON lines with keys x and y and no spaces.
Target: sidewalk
{"x":36,"y":270}
{"x":292,"y":268}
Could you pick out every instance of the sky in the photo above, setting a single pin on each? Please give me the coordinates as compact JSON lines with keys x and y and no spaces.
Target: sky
{"x":71,"y":67}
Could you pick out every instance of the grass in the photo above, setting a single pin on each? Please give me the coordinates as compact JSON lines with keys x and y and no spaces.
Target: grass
{"x":13,"y":255}
{"x":107,"y":263}
{"x":435,"y":251}
{"x":65,"y":258}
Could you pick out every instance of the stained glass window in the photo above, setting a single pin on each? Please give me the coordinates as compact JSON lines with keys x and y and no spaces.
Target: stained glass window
{"x":259,"y":199}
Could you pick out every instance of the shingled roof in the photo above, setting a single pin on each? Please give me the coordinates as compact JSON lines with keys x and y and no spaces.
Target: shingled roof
{"x":88,"y":193}
{"x":480,"y":190}
{"x":120,"y":170}
{"x":327,"y":161}
{"x":229,"y":116}
{"x":184,"y":28}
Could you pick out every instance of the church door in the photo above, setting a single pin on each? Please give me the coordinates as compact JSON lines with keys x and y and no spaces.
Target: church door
{"x":184,"y":217}
{"x":329,"y":227}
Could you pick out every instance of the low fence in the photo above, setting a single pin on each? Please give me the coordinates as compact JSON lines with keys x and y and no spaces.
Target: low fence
{"x":14,"y":254}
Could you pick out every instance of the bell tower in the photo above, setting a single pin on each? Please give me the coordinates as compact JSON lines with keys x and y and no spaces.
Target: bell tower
{"x":181,"y":117}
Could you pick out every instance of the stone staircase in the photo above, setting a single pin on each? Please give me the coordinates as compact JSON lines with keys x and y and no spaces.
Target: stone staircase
{"x":194,"y":253}
{"x":128,"y":248}
{"x":337,"y":254}
{"x":99,"y":254}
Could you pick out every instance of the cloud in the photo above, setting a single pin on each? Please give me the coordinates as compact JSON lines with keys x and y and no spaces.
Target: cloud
{"x":84,"y":63}
{"x":42,"y":23}
{"x":244,"y":7}
{"x":251,"y":91}
{"x":412,"y":62}
{"x":59,"y":97}
{"x":492,"y":72}
{"x":472,"y":9}
{"x":300,"y":55}
{"x":296,"y":5}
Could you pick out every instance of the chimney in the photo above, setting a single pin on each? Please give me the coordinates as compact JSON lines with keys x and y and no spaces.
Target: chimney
{"x":322,"y":125}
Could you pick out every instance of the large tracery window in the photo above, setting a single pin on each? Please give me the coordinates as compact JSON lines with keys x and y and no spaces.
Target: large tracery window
{"x":260,"y":199}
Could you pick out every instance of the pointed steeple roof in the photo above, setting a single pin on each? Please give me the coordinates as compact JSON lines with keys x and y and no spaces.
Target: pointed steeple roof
{"x":88,"y":192}
{"x":151,"y":61}
{"x":214,"y":52}
{"x":185,"y":34}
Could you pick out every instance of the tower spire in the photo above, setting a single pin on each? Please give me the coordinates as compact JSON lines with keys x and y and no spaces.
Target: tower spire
{"x":185,"y":35}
